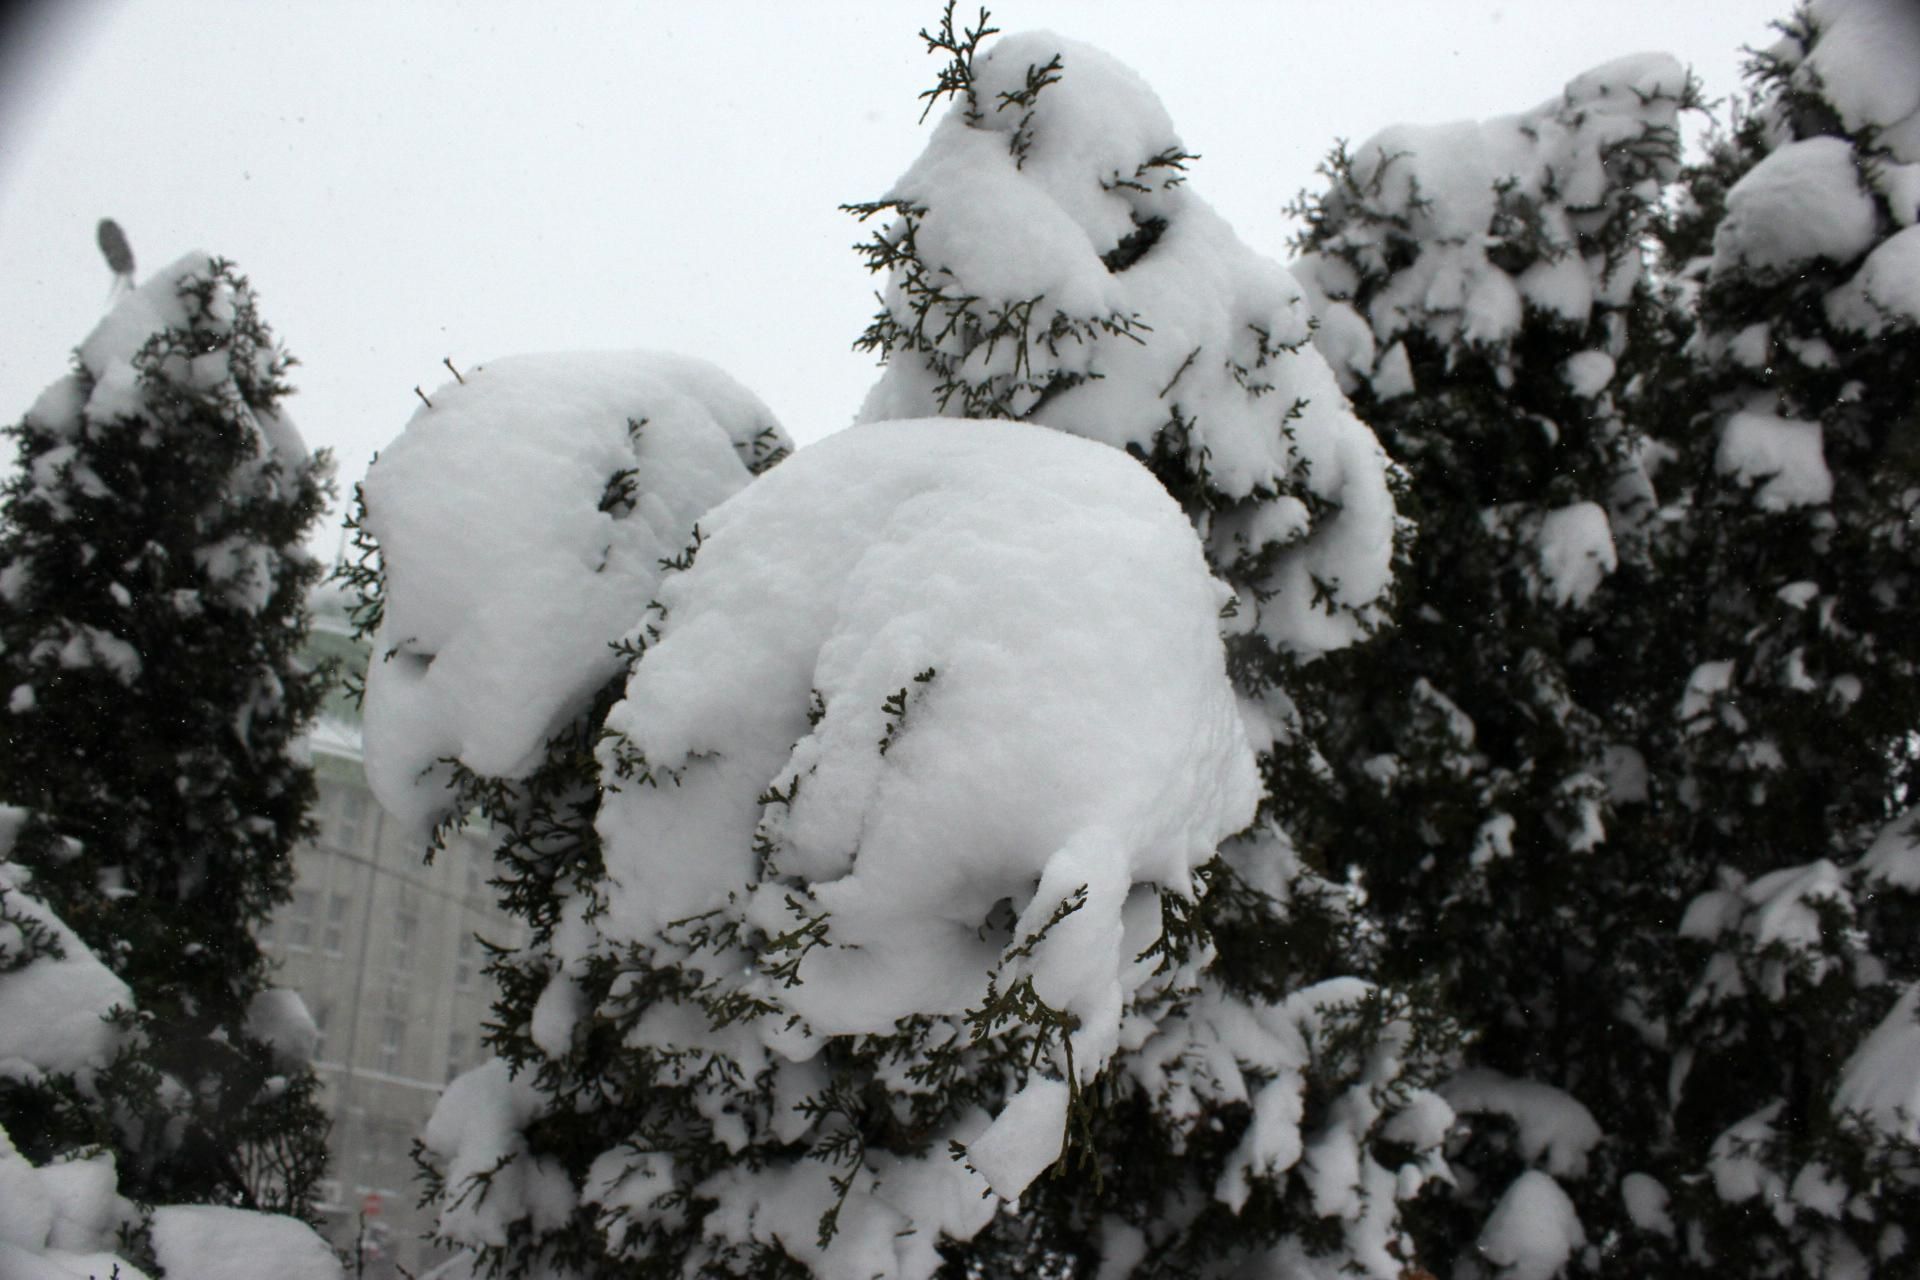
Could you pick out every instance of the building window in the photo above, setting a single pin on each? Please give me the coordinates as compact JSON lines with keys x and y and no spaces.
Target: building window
{"x":406,"y":936}
{"x":322,"y":1018}
{"x":373,"y":1141}
{"x":346,"y":825}
{"x":300,"y":921}
{"x":463,"y":964}
{"x":456,"y":1054}
{"x":333,"y":936}
{"x":393,"y":1040}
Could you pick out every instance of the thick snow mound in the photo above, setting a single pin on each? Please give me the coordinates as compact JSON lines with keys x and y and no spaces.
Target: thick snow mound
{"x":522,"y":521}
{"x":1454,"y":189}
{"x":1533,"y":1231}
{"x":1786,"y":457}
{"x":1864,"y":62}
{"x":1885,"y":292}
{"x":1084,"y":225}
{"x":278,"y":1018}
{"x":1882,"y":1079}
{"x":210,"y":1243}
{"x":1576,"y":551}
{"x":1803,"y":202}
{"x":476,"y":1133}
{"x":1446,"y":175}
{"x":1028,"y":1137}
{"x":1894,"y":855}
{"x":62,"y":1221}
{"x":53,"y":1009}
{"x":1085,"y":133}
{"x":1555,"y":1129}
{"x":989,"y":688}
{"x":67,"y":1207}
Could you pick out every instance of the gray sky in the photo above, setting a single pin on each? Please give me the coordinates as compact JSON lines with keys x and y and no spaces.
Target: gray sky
{"x":406,"y":180}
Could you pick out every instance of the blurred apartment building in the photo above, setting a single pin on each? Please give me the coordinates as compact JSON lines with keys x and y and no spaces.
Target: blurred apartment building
{"x":385,"y":951}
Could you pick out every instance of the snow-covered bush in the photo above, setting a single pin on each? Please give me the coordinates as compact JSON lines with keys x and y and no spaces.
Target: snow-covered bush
{"x":570,"y":479}
{"x":1045,"y":260}
{"x":917,"y":880}
{"x":513,"y":538}
{"x":151,"y":588}
{"x":1611,"y":777}
{"x":1479,"y":286}
{"x":67,"y":1021}
{"x":1792,"y":706}
{"x":869,"y":895}
{"x":888,"y":880}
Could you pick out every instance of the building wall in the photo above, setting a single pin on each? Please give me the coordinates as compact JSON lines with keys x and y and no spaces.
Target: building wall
{"x":385,"y":950}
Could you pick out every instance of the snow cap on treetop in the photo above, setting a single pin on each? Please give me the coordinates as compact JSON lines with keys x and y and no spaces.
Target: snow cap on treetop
{"x":1450,"y":186}
{"x":168,"y":300}
{"x":1863,"y":61}
{"x":1090,"y":290}
{"x":522,"y":520}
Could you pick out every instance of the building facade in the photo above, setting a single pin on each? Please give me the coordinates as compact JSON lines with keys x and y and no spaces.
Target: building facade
{"x":388,"y":950}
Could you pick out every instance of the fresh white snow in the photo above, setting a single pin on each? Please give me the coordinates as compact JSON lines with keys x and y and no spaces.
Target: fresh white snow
{"x":1802,"y":202}
{"x":52,"y":1011}
{"x":1075,"y":735}
{"x":1881,"y":1080}
{"x":1555,"y":1130}
{"x":1863,"y":64}
{"x":1576,"y":551}
{"x":522,"y":522}
{"x":1222,"y":341}
{"x":1533,"y":1231}
{"x":1785,"y":457}
{"x":208,"y":1242}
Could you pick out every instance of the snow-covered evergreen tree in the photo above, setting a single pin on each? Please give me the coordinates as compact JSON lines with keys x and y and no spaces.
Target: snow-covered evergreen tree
{"x":1479,"y":286}
{"x":1789,"y":760}
{"x":916,"y":880}
{"x":867,"y":893}
{"x":152,"y":581}
{"x":512,"y":538}
{"x":872,"y":855}
{"x":1631,"y":774}
{"x":1045,"y":261}
{"x":67,"y":1022}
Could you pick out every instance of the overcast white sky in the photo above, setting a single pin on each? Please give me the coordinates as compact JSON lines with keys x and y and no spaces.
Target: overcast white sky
{"x":405,"y":180}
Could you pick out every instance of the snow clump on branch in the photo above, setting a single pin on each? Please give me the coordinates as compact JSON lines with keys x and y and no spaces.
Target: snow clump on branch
{"x":1045,"y":261}
{"x":558,"y":481}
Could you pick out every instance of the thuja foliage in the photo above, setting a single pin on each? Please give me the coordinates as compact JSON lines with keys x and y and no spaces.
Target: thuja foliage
{"x":1635,"y":796}
{"x":1476,"y":750}
{"x":593,"y":1091}
{"x":152,"y":586}
{"x":1787,"y":764}
{"x":1620,"y":792}
{"x":1109,"y":334}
